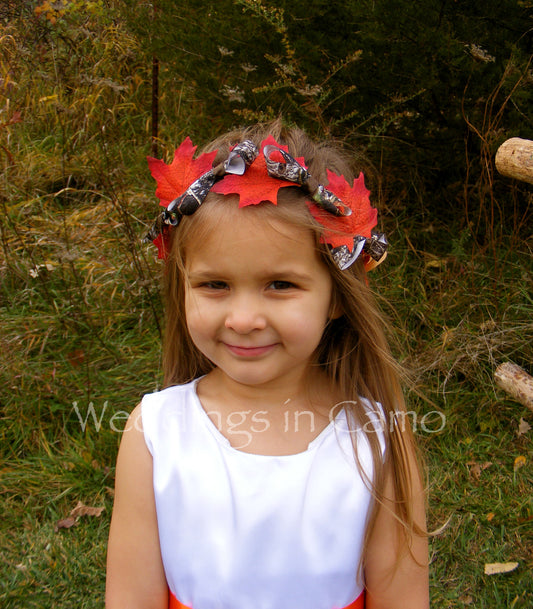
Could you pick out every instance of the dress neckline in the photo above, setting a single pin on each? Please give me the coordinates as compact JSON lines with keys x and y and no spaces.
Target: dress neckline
{"x":223,"y":441}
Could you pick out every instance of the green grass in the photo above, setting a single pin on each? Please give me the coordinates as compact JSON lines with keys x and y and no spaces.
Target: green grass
{"x":488,"y":514}
{"x":80,"y":316}
{"x":459,"y":318}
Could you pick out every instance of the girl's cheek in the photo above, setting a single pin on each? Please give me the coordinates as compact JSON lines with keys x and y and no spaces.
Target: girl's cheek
{"x":199,"y":309}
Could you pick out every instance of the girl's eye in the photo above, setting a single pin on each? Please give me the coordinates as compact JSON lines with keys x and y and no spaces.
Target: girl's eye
{"x":282,"y":285}
{"x":214,"y":285}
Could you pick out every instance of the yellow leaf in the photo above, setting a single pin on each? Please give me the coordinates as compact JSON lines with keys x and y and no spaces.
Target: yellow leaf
{"x":490,"y":516}
{"x":500,"y":567}
{"x":435,"y":264}
{"x":519,"y":462}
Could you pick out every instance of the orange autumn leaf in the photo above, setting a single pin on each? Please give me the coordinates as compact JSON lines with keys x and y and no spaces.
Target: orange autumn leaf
{"x":174,"y":179}
{"x":341,"y":230}
{"x":255,"y":186}
{"x":162,"y":242}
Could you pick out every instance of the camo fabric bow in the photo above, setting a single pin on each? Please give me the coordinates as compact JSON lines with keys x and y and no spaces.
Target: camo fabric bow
{"x":343,"y":210}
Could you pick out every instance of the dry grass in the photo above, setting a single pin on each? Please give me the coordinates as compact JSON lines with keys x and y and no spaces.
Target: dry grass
{"x":80,"y":315}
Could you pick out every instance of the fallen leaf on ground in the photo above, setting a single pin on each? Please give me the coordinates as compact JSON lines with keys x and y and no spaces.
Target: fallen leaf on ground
{"x":523,"y":427}
{"x":79,"y":510}
{"x":85,"y":510}
{"x":500,"y":567}
{"x":76,"y":357}
{"x":65,"y":523}
{"x":519,"y":462}
{"x":476,"y":468}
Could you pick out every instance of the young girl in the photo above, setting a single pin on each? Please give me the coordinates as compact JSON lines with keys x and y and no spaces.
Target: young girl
{"x":276,"y":470}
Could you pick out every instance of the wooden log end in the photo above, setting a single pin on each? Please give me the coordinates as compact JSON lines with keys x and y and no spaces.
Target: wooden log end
{"x":514,"y":159}
{"x":516,"y":382}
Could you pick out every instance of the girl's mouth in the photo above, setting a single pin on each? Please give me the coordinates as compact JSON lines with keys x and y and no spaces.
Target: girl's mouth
{"x":242,"y":351}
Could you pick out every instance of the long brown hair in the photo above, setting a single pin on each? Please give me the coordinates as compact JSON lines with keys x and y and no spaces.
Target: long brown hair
{"x":353,"y":352}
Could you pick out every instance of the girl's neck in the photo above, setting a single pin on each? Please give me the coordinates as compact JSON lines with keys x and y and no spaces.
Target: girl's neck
{"x":278,"y":419}
{"x":310,"y":390}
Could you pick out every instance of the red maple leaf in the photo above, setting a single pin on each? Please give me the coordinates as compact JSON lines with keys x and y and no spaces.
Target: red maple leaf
{"x":255,"y":185}
{"x":340,"y":230}
{"x":174,"y":179}
{"x":162,"y":242}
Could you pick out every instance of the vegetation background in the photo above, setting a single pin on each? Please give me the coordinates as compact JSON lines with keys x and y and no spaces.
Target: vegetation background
{"x":424,"y":90}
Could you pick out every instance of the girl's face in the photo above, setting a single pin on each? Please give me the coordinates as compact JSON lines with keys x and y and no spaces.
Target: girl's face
{"x":257,"y":299}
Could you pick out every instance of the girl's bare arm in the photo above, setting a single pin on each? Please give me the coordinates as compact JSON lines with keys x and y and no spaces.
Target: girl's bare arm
{"x":135,"y":576}
{"x":398,"y":577}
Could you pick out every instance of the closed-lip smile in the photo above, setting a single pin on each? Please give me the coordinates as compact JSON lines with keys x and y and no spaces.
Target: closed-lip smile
{"x":249,"y":351}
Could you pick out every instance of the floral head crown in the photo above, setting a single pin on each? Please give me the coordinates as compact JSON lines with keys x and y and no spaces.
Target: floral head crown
{"x":256,"y":176}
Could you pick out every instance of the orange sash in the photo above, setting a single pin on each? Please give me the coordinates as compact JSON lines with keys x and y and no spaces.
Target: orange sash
{"x":173,"y":602}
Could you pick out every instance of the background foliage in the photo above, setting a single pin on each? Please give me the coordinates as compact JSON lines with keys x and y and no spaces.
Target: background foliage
{"x":425,"y":91}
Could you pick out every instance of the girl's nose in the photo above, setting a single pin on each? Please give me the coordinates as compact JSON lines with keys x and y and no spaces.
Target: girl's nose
{"x":245,"y":315}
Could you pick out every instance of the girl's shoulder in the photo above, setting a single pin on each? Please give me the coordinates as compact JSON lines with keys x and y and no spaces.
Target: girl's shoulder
{"x":167,"y":414}
{"x":172,"y":390}
{"x":172,"y":397}
{"x":365,"y":418}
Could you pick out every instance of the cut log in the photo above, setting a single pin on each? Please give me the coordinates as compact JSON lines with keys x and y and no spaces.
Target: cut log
{"x":514,"y":159}
{"x":516,"y":382}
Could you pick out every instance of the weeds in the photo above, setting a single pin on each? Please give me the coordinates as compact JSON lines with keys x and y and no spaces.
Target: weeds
{"x":80,"y":312}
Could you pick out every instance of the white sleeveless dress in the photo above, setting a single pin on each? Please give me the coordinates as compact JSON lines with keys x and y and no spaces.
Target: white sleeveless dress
{"x":247,"y":531}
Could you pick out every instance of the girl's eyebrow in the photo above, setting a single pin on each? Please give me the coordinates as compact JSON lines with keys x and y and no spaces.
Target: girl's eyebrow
{"x":290,"y":275}
{"x":203,"y":274}
{"x":200,"y":276}
{"x":282,"y":274}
